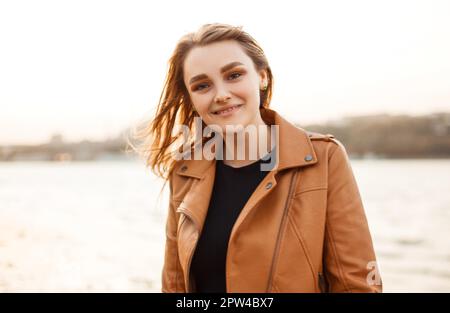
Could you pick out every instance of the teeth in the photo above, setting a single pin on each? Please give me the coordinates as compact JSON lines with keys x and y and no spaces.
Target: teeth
{"x":227,"y":110}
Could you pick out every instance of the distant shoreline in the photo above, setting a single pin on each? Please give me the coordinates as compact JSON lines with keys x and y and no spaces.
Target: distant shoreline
{"x":364,"y":137}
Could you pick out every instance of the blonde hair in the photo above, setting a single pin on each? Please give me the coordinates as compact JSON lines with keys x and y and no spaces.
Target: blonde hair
{"x":155,"y":138}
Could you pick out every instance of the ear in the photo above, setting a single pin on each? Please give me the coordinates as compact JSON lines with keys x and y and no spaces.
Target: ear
{"x":263,"y":77}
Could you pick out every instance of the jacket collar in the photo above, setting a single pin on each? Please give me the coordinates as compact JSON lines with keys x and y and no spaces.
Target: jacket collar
{"x":294,"y":148}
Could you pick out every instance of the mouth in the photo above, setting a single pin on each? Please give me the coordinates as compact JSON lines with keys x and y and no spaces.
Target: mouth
{"x":227,"y":111}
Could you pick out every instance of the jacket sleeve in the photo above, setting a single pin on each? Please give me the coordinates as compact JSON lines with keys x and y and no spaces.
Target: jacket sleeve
{"x":349,"y":258}
{"x":172,"y":275}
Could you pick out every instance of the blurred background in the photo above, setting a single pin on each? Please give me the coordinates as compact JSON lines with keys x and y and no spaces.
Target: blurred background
{"x":79,"y":214}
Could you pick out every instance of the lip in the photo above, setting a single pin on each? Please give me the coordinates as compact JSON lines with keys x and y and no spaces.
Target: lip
{"x":235,"y":108}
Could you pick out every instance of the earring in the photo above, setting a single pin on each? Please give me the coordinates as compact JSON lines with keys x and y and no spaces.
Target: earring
{"x":264,"y":87}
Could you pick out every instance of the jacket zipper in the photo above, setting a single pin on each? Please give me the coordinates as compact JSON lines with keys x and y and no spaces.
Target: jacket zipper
{"x":283,"y":221}
{"x":322,"y":283}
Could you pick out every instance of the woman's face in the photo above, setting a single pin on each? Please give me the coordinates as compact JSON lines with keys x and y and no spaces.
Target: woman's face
{"x":221,"y":76}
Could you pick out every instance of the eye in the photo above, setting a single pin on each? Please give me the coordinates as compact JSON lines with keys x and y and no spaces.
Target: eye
{"x":198,"y":87}
{"x":235,"y":73}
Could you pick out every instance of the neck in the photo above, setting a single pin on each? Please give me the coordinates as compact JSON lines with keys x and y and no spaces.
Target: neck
{"x":243,"y":148}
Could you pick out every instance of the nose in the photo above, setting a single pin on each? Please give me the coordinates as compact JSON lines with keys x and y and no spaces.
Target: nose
{"x":222,"y":96}
{"x":222,"y":99}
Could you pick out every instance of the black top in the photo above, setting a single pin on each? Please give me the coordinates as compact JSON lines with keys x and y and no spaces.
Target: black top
{"x":232,"y":189}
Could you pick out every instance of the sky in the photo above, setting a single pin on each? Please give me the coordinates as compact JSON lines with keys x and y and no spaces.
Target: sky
{"x":89,"y":69}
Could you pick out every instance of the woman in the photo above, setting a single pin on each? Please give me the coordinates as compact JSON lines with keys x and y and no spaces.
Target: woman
{"x":299,"y":226}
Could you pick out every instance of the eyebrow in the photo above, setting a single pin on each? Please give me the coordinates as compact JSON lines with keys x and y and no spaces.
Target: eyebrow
{"x":223,"y":69}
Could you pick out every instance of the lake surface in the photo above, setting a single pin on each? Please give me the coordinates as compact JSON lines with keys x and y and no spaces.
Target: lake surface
{"x":99,"y":226}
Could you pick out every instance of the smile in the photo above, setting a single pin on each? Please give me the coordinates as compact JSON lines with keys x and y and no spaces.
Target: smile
{"x":228,"y":111}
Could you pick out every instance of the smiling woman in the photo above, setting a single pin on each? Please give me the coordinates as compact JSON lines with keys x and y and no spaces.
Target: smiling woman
{"x":232,"y":226}
{"x":230,"y":92}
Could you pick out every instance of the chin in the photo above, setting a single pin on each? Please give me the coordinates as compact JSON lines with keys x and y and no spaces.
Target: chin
{"x":240,"y":121}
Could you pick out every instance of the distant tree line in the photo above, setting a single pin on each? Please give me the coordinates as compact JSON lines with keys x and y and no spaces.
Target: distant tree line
{"x":388,"y":136}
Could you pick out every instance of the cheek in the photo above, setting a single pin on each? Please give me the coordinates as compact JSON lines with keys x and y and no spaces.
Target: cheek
{"x":244,"y":90}
{"x":201,"y":102}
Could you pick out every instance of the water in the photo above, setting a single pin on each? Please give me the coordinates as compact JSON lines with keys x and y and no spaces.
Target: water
{"x":408,"y":207}
{"x":99,"y":226}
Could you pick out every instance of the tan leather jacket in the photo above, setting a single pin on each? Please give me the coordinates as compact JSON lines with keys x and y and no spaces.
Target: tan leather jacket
{"x":302,"y":230}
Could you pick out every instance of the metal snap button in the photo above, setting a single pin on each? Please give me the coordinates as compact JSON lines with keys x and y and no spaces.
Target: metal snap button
{"x":308,"y":157}
{"x":269,"y":185}
{"x":183,"y":168}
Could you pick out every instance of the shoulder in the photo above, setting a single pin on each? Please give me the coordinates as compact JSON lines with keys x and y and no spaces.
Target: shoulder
{"x":319,"y":136}
{"x":325,"y":144}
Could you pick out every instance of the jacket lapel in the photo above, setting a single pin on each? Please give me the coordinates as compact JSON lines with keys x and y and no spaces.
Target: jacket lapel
{"x":196,"y":200}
